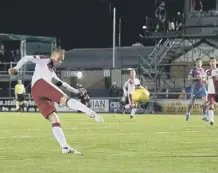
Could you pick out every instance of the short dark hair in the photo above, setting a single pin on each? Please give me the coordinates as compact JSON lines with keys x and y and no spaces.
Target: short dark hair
{"x":212,"y":58}
{"x":198,"y":59}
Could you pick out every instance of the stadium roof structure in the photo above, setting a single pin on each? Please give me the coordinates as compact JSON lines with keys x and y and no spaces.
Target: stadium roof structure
{"x":8,"y":37}
{"x":101,"y":58}
{"x":179,"y":35}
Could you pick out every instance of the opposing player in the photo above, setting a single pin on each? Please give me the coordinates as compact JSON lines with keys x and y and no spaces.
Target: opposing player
{"x":212,"y":87}
{"x":198,"y":89}
{"x":45,"y":93}
{"x":128,"y":89}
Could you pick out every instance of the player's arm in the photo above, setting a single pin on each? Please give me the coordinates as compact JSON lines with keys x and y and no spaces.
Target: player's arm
{"x":124,"y":88}
{"x":63,"y":84}
{"x":205,"y":79}
{"x":24,"y":60}
{"x":191,"y":76}
{"x":138,"y":84}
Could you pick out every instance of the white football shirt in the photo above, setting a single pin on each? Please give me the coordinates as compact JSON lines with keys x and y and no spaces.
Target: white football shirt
{"x":129,"y":86}
{"x":212,"y":78}
{"x":42,"y":70}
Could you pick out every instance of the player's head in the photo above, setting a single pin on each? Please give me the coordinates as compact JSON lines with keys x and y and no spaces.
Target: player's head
{"x":132,"y":74}
{"x":19,"y":81}
{"x":212,"y":62}
{"x":198,"y":62}
{"x":57,"y":56}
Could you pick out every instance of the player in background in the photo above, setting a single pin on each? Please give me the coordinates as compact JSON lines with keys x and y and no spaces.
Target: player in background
{"x":45,"y":93}
{"x":19,"y":92}
{"x":128,"y":89}
{"x":198,"y":89}
{"x":212,"y":88}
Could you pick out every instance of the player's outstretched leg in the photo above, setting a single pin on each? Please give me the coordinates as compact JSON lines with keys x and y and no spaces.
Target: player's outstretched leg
{"x":76,"y":105}
{"x":189,"y":110}
{"x":59,"y":135}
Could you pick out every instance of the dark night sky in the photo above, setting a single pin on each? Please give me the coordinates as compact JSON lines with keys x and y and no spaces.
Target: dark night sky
{"x":78,"y":23}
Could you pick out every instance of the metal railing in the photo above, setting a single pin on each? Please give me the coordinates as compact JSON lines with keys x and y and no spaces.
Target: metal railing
{"x":4,"y":66}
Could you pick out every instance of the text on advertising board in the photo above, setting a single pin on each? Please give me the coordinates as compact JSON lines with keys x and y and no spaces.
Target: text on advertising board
{"x":100,"y":105}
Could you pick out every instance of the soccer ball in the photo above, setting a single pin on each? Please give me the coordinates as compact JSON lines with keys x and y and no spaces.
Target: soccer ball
{"x":141,"y":95}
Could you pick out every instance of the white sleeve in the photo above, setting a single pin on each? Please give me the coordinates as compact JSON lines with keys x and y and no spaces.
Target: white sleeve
{"x":137,"y":82}
{"x":24,"y":60}
{"x":55,"y":76}
{"x":66,"y":85}
{"x":124,"y":88}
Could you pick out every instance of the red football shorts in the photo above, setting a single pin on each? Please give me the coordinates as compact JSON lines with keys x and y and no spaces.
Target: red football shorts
{"x":44,"y":96}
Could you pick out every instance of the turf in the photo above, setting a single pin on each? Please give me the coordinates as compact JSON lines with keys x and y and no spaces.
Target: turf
{"x":147,"y":144}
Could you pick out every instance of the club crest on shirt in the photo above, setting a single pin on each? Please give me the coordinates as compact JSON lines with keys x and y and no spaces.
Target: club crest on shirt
{"x":131,"y":81}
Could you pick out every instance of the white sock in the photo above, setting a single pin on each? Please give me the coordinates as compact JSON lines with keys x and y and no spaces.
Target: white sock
{"x":211,"y":115}
{"x":127,"y":106}
{"x":59,"y":135}
{"x":76,"y":105}
{"x":133,"y":111}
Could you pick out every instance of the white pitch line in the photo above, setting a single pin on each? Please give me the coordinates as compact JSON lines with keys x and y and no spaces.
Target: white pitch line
{"x":191,"y":131}
{"x":18,"y":137}
{"x":161,"y":132}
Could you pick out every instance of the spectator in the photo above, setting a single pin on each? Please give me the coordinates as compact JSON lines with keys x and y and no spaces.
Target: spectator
{"x":11,"y":56}
{"x":17,"y":55}
{"x":2,"y":57}
{"x":172,"y":25}
{"x":179,"y":20}
{"x":182,"y":94}
{"x":114,"y":90}
{"x":161,"y":16}
{"x":2,"y":53}
{"x":85,"y":99}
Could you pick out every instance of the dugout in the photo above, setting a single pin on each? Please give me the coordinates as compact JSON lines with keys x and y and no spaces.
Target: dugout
{"x":27,"y":45}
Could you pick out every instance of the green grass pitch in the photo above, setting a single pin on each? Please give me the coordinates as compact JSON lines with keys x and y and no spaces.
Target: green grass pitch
{"x":146,"y":144}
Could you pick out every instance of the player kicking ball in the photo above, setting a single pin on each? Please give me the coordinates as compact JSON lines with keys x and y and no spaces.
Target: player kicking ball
{"x":198,"y":89}
{"x":212,"y":86}
{"x":45,"y":93}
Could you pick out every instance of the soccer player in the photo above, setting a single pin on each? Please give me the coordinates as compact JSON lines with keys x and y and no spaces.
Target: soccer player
{"x":45,"y":93}
{"x":128,"y":89}
{"x":198,"y":89}
{"x":19,"y":92}
{"x":212,"y":87}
